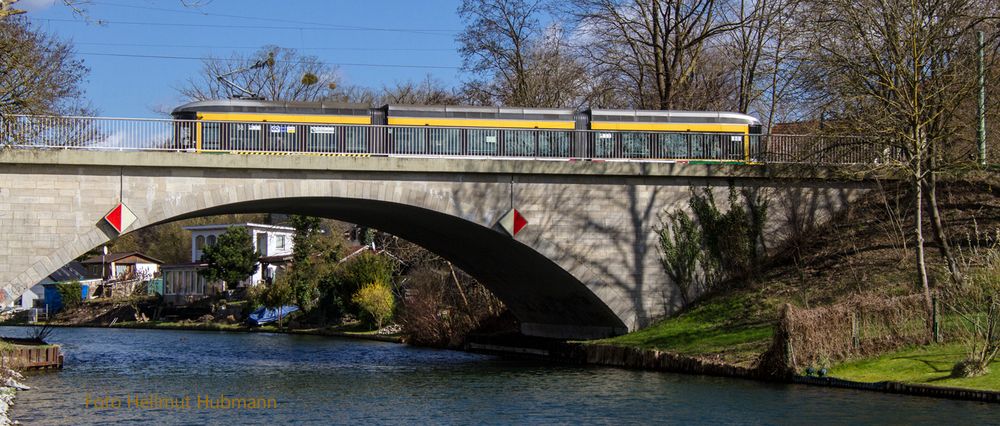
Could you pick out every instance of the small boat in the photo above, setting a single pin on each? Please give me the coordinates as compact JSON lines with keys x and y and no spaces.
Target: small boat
{"x":268,"y":315}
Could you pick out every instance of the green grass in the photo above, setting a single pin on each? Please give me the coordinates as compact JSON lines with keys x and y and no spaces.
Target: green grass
{"x":723,"y":327}
{"x":928,"y":365}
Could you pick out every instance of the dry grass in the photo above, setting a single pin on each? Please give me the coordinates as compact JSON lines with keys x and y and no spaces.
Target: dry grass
{"x":865,"y":252}
{"x":862,"y":325}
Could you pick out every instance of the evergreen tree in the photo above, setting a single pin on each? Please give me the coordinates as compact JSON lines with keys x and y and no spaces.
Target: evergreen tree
{"x":231,"y":259}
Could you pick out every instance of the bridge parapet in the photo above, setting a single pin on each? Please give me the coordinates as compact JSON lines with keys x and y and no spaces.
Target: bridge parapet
{"x":311,"y":139}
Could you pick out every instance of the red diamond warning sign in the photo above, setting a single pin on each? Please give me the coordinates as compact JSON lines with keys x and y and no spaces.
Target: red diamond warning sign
{"x":513,"y":222}
{"x":120,"y":218}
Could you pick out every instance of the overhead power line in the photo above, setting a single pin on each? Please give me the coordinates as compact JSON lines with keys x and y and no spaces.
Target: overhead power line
{"x":270,"y":19}
{"x":255,"y":27}
{"x":205,"y":46}
{"x":341,"y":64}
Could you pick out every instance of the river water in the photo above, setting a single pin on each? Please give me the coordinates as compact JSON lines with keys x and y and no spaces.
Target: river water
{"x":322,"y":380}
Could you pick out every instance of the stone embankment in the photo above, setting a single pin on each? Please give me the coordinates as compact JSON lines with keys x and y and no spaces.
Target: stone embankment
{"x":7,"y":394}
{"x":648,"y":359}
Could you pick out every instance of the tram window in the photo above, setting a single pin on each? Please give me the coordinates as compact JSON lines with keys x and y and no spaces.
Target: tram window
{"x":357,"y":139}
{"x":410,"y":140}
{"x":210,"y":135}
{"x":700,"y":146}
{"x":634,"y":145}
{"x":322,"y":139}
{"x":445,"y":141}
{"x":483,"y":141}
{"x":519,"y":142}
{"x":604,"y":145}
{"x":282,"y":137}
{"x":670,"y":145}
{"x":244,"y":136}
{"x":554,"y":144}
{"x":183,"y":134}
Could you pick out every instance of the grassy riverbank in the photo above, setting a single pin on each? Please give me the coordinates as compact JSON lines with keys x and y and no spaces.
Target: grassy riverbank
{"x":732,"y":328}
{"x":926,"y":365}
{"x":853,"y":255}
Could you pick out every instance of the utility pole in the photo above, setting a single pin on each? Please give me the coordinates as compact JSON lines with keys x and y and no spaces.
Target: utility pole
{"x":981,"y":110}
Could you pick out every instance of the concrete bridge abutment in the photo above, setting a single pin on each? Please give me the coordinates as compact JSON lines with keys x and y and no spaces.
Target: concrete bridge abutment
{"x":586,"y":266}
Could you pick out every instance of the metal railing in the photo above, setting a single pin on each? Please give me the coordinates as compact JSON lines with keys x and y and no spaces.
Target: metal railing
{"x":125,"y":134}
{"x":820,"y":149}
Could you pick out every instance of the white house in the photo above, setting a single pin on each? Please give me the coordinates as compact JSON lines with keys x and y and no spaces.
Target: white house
{"x":270,"y":241}
{"x":274,"y":245}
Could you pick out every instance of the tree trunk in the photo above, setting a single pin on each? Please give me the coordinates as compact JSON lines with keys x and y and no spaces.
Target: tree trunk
{"x":919,"y":228}
{"x":938,"y":228}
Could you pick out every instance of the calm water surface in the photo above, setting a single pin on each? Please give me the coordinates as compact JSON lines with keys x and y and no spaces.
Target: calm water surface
{"x":319,"y":380}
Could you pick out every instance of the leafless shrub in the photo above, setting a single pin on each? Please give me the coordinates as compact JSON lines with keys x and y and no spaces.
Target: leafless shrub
{"x":860,"y":326}
{"x":40,"y":332}
{"x":441,"y":306}
{"x":976,"y":308}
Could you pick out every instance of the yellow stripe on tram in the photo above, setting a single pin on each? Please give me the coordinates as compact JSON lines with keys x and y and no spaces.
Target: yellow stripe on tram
{"x":467,"y":122}
{"x":671,"y":127}
{"x":285,"y":118}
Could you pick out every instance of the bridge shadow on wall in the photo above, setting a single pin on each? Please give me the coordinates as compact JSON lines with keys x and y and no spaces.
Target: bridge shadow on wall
{"x":616,"y":229}
{"x":536,"y":290}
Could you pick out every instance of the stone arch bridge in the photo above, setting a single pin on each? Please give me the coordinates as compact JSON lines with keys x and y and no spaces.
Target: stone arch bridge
{"x":585,"y":266}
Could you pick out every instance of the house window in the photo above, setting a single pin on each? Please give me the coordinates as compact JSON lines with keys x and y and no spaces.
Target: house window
{"x":281,"y":242}
{"x":262,"y":244}
{"x":199,"y":243}
{"x":211,"y":240}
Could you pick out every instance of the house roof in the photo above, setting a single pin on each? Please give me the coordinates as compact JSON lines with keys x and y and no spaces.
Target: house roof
{"x":73,"y":271}
{"x":281,"y":258}
{"x":122,"y":258}
{"x":188,"y":265}
{"x":245,"y":225}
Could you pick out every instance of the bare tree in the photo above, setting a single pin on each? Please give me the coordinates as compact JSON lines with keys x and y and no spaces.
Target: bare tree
{"x":425,"y":92}
{"x":38,"y":72}
{"x":353,"y":93}
{"x":653,"y":48}
{"x":495,"y":44}
{"x":899,"y":69}
{"x":759,"y":53}
{"x":556,"y":77}
{"x":518,"y":61}
{"x":79,"y":7}
{"x":273,"y":73}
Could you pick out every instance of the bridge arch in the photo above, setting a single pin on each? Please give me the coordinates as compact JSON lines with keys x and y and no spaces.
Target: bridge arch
{"x":543,"y":296}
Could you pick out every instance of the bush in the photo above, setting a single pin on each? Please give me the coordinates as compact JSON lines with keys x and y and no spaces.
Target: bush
{"x":255,"y":297}
{"x":339,"y":286}
{"x":377,"y":300}
{"x":717,"y":247}
{"x":440,"y":309}
{"x":279,"y":294}
{"x":70,"y":293}
{"x":680,"y":250}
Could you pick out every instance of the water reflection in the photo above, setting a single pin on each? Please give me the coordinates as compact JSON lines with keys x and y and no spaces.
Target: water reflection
{"x":318,"y":380}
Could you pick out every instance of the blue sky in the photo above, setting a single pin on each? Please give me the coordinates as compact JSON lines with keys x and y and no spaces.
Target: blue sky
{"x":408,"y":34}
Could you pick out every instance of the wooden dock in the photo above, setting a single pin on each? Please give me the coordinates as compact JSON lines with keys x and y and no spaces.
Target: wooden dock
{"x":31,"y":354}
{"x":38,"y":358}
